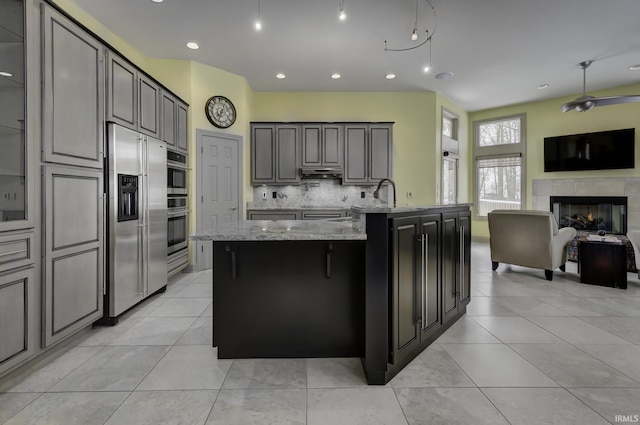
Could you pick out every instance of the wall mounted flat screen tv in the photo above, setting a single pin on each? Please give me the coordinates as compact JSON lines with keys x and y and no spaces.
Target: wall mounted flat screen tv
{"x":604,"y":150}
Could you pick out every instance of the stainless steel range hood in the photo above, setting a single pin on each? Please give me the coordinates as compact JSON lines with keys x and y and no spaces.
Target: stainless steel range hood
{"x":321,"y":173}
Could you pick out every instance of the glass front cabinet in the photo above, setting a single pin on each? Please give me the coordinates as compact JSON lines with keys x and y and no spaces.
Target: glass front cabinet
{"x":14,"y":191}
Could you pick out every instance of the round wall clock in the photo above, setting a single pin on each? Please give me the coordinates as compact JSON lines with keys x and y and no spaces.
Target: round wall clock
{"x":220,"y":111}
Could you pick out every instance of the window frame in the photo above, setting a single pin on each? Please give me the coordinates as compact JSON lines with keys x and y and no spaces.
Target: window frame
{"x":497,"y":151}
{"x":450,"y":149}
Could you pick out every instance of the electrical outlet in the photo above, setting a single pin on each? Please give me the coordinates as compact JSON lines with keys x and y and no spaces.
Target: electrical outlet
{"x":264,"y":195}
{"x":409,"y":195}
{"x":362,"y":195}
{"x":274,"y":195}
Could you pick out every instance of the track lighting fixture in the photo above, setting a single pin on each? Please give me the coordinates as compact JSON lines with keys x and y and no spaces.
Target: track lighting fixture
{"x":342,"y":15}
{"x":258,"y":24}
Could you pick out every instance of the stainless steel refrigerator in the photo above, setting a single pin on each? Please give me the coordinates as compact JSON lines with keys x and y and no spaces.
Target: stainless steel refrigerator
{"x":137,"y":225}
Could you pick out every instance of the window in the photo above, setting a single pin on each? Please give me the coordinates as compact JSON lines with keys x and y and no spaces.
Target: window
{"x":450,"y":150}
{"x":499,"y":164}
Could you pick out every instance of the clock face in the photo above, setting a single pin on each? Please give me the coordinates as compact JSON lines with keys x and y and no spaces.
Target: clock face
{"x":220,"y":111}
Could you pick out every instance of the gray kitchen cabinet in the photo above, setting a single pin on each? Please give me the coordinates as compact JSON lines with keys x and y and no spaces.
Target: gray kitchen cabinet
{"x":380,"y":152}
{"x":368,"y":153}
{"x":18,"y":323}
{"x":275,"y":154}
{"x":133,"y":99}
{"x":356,"y":154}
{"x":173,"y":122}
{"x":273,"y":215}
{"x":73,"y":261}
{"x":322,"y":145}
{"x":72,"y":93}
{"x":182,"y":130}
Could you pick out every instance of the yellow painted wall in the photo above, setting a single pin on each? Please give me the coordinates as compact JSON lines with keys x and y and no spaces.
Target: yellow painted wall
{"x":545,"y":119}
{"x":415,"y":162}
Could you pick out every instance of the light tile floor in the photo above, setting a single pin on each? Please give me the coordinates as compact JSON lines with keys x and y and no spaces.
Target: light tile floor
{"x":528,"y":351}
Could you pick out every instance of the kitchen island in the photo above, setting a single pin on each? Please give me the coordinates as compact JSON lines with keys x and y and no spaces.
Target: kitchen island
{"x":381,"y":287}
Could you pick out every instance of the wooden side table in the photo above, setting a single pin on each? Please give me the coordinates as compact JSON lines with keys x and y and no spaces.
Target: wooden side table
{"x":603,"y":263}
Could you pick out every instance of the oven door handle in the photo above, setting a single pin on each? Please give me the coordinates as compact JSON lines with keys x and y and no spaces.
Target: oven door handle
{"x":178,"y":213}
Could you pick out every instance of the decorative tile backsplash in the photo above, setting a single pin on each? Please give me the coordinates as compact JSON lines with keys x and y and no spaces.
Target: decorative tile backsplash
{"x":317,"y":194}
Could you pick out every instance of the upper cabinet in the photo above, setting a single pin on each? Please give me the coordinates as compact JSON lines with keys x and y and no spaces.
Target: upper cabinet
{"x":133,"y":99}
{"x":322,"y":145}
{"x":73,"y":93}
{"x":363,"y":150}
{"x":275,"y":154}
{"x":368,"y":153}
{"x":174,"y":126}
{"x":14,"y":182}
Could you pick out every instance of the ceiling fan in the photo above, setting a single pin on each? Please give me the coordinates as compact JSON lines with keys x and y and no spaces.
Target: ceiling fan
{"x":585,"y":102}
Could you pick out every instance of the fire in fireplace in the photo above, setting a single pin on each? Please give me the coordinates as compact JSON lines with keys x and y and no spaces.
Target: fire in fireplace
{"x":591,"y":213}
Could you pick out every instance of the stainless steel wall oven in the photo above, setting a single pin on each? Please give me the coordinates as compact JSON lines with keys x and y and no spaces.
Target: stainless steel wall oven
{"x":178,"y":223}
{"x":176,"y":173}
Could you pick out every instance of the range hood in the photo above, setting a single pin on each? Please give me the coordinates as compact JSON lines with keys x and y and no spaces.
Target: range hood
{"x":321,"y":173}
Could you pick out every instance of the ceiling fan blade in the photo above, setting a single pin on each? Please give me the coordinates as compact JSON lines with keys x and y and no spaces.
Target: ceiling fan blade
{"x":614,"y":100}
{"x":581,"y":104}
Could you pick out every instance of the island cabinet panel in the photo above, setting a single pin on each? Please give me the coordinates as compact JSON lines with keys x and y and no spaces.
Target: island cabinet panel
{"x":415,"y":301}
{"x":273,"y":215}
{"x":72,"y":93}
{"x":418,"y":270}
{"x":288,"y":298}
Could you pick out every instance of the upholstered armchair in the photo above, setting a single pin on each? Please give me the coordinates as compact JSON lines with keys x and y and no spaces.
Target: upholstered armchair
{"x":528,"y":238}
{"x":634,"y":237}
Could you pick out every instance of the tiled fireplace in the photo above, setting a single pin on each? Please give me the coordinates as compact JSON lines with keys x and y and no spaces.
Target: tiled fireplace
{"x":629,"y":187}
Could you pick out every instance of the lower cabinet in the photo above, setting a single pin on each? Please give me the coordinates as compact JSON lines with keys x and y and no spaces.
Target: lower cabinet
{"x":17,"y":317}
{"x":418,"y":270}
{"x":73,"y":260}
{"x":415,"y":299}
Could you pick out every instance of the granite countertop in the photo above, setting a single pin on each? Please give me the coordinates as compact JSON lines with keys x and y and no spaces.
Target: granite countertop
{"x":399,"y":210}
{"x":258,"y":207}
{"x":282,"y":230}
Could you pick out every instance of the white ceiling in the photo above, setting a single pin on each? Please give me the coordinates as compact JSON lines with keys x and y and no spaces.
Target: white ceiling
{"x":499,"y":50}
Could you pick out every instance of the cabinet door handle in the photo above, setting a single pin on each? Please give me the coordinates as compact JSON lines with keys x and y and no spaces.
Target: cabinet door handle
{"x":233,"y":262}
{"x":461,"y":244}
{"x":424,"y":239}
{"x":330,"y":248}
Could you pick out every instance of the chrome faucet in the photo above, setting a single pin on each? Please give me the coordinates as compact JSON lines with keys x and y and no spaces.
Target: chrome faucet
{"x":376,"y":193}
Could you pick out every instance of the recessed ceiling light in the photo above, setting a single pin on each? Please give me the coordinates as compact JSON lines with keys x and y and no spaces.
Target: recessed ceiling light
{"x":6,"y":74}
{"x":444,"y":75}
{"x":390,"y":76}
{"x":336,"y":76}
{"x":157,"y":1}
{"x":635,"y":67}
{"x":543,"y":86}
{"x":193,"y":45}
{"x":280,"y":76}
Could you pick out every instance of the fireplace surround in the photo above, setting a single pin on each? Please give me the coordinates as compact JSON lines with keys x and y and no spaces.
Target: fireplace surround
{"x":591,"y":214}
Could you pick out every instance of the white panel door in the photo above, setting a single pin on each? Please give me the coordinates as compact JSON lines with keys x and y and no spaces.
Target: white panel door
{"x":218,"y":192}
